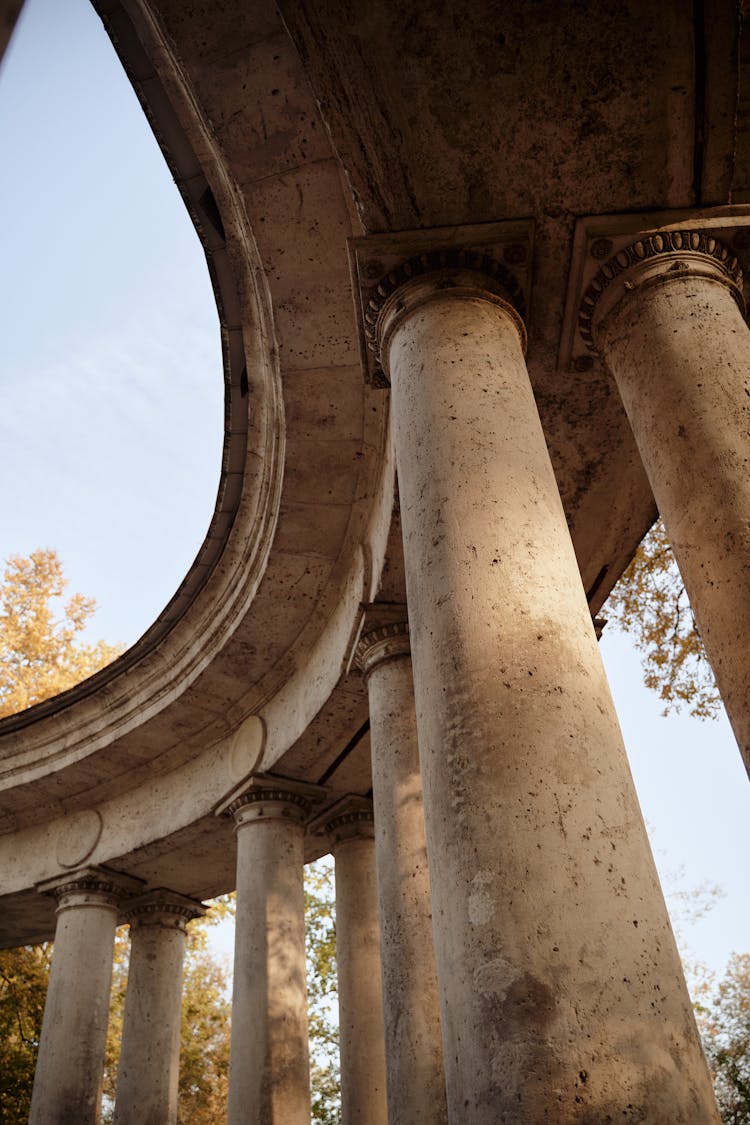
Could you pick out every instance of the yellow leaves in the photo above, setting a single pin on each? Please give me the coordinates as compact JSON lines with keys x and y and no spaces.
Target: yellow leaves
{"x":40,"y":654}
{"x":650,"y":602}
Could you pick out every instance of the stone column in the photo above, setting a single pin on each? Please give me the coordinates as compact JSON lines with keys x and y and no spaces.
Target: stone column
{"x":666,"y":315}
{"x":416,"y":1083}
{"x":150,"y":1056}
{"x":67,"y":1082}
{"x":562,"y":995}
{"x":269,"y":1080}
{"x":361,"y":1035}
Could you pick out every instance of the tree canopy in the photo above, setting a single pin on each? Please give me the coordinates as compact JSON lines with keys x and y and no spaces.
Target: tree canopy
{"x":651,"y":604}
{"x":41,"y":652}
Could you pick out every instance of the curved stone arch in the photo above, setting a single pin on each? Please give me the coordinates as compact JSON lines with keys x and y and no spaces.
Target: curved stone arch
{"x":74,"y":751}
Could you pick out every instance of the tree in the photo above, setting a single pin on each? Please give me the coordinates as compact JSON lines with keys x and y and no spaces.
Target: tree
{"x":39,"y":657}
{"x":322,"y":992}
{"x":650,"y":602}
{"x":23,"y":987}
{"x":724,"y":1020}
{"x":40,"y":654}
{"x":204,"y":1044}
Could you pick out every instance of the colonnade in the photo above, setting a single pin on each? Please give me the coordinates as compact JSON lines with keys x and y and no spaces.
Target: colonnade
{"x":501,"y":884}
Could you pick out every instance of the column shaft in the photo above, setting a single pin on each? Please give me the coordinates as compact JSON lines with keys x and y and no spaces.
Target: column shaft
{"x":562,"y":992}
{"x":70,"y":1064}
{"x":269,"y":1069}
{"x":361,"y":1035}
{"x":148,"y":1077}
{"x":416,"y":1083}
{"x":680,"y":353}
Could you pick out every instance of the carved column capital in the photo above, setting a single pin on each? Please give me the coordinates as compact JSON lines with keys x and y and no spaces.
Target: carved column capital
{"x":386,"y":641}
{"x":351,"y":818}
{"x":163,"y":908}
{"x":271,"y":798}
{"x":656,"y":259}
{"x":90,"y":886}
{"x":455,"y":273}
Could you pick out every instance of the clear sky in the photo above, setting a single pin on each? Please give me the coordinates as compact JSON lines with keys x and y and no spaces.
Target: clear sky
{"x":111,"y":414}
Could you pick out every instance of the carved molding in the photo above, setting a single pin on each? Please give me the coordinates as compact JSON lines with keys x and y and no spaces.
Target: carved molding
{"x":657,"y":258}
{"x":163,"y":908}
{"x":611,"y":252}
{"x":384,"y":642}
{"x":351,"y":818}
{"x":498,"y":256}
{"x":91,"y":886}
{"x":267,"y":797}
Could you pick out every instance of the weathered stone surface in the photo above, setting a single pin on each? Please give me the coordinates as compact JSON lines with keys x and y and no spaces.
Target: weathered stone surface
{"x":361,"y":1037}
{"x":410,"y":989}
{"x":148,"y":1074}
{"x":539,"y":863}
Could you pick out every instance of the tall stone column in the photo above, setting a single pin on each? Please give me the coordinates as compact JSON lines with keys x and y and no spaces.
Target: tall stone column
{"x":67,"y":1082}
{"x":666,"y":315}
{"x":416,"y":1083}
{"x":361,"y":1035}
{"x":562,"y":995}
{"x":269,"y":1080}
{"x":148,"y":1076}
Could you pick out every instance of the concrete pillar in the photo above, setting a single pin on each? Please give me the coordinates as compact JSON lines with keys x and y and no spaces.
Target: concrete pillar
{"x":67,"y":1082}
{"x":562,"y":995}
{"x":269,"y":1080}
{"x":361,"y":1035}
{"x":411,"y":1004}
{"x":669,"y":324}
{"x":148,"y":1076}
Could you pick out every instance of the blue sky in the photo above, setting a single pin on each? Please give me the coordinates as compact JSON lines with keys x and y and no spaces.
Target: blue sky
{"x":111,"y":414}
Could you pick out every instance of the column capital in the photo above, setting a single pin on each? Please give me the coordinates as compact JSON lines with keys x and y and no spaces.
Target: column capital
{"x":351,"y":818}
{"x":383,"y":635}
{"x":162,"y":907}
{"x":392,"y":274}
{"x":656,"y":259}
{"x":90,"y":886}
{"x":267,"y":797}
{"x":448,"y":274}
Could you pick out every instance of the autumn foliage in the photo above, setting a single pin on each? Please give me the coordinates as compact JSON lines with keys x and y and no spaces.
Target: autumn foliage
{"x":41,"y":653}
{"x":651,"y":604}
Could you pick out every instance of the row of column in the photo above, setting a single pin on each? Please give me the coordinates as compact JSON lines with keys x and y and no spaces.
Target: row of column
{"x":269,"y":1066}
{"x":67,"y":1083}
{"x":538,"y":978}
{"x":561,"y":991}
